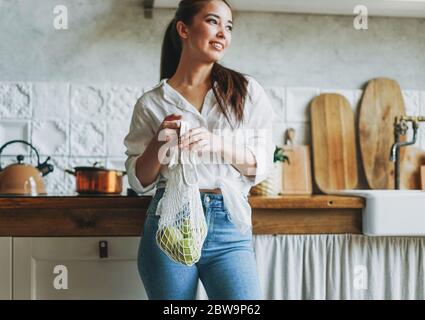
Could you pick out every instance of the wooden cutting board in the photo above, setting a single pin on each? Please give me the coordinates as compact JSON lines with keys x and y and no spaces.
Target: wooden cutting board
{"x":422,"y":177}
{"x":296,"y":175}
{"x":382,"y":101}
{"x":334,"y":143}
{"x":410,"y":168}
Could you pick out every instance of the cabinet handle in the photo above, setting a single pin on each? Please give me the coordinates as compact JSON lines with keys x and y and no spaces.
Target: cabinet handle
{"x":103,"y":249}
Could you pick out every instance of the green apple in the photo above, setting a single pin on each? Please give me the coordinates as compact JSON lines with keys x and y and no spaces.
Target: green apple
{"x":169,"y":238}
{"x":187,"y":251}
{"x":186,"y":229}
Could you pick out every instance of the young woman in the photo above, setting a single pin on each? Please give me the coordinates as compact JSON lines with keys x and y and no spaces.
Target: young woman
{"x":210,"y":98}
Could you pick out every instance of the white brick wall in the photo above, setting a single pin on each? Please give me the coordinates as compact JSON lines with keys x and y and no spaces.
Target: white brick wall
{"x":75,"y":124}
{"x":79,"y":124}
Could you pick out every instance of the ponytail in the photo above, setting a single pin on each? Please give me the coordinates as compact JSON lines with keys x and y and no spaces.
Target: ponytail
{"x":171,"y":51}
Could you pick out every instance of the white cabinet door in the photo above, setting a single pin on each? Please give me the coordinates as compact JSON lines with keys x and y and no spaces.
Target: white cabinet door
{"x":71,"y":268}
{"x":5,"y":268}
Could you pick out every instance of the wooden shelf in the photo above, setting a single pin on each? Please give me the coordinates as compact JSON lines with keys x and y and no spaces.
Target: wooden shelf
{"x":124,"y":216}
{"x":306,"y":202}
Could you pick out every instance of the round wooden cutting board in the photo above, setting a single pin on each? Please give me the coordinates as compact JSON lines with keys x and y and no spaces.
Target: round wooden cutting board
{"x":382,"y":101}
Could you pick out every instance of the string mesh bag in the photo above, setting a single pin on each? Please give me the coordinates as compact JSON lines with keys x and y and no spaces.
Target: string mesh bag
{"x":182,"y":228}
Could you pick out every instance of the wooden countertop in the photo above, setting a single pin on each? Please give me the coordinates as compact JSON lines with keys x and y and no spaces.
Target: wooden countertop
{"x":124,"y":216}
{"x":306,"y":202}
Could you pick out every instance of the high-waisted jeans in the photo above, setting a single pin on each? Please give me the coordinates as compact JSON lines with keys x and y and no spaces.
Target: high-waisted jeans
{"x":227,"y":266}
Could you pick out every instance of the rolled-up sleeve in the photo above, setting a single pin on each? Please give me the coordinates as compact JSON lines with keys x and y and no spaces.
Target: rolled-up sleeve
{"x":140,"y":134}
{"x":259,"y":136}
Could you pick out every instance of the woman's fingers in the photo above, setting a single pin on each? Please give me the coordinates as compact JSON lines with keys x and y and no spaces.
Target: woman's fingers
{"x":172,"y":124}
{"x":194,"y":132}
{"x":169,"y":128}
{"x":171,"y":121}
{"x":167,"y":135}
{"x":194,"y":136}
{"x":173,"y":116}
{"x":198,"y":145}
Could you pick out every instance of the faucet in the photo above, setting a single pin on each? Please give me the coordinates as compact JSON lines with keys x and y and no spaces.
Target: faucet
{"x":400,"y":128}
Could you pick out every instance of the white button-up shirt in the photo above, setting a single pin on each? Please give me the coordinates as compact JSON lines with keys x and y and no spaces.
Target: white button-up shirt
{"x":162,"y":100}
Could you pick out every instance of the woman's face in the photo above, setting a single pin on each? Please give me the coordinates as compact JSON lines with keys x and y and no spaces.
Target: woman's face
{"x":210,"y":33}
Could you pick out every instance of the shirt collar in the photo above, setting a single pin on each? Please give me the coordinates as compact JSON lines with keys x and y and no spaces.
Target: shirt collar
{"x":179,"y":101}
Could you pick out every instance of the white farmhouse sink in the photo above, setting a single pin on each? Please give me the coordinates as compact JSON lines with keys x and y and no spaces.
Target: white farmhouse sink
{"x":391,"y":212}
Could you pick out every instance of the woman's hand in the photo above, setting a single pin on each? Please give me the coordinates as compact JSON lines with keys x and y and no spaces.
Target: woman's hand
{"x":200,"y":140}
{"x":154,"y":158}
{"x":170,"y":128}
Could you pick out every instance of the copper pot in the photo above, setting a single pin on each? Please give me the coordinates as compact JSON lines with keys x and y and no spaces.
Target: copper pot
{"x":97,"y":179}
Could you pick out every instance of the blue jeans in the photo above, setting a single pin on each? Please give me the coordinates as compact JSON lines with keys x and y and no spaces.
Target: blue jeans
{"x":227,"y":266}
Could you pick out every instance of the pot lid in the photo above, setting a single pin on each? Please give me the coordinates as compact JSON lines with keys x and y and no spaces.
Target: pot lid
{"x":95,"y":167}
{"x":90,"y":168}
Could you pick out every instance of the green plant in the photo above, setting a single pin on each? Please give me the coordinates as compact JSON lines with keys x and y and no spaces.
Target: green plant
{"x":279,"y":155}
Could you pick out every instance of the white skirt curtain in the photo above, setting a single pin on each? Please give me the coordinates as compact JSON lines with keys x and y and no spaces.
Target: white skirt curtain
{"x":339,"y":267}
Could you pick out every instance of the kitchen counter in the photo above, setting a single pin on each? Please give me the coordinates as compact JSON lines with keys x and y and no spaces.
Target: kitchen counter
{"x":77,"y":215}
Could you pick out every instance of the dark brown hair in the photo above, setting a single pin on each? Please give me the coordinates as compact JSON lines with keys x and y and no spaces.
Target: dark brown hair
{"x":231,"y":87}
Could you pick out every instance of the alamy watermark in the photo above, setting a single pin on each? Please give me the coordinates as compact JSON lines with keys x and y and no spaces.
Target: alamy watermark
{"x":238,"y":142}
{"x":360,"y":279}
{"x":361,"y":20}
{"x":60,"y":282}
{"x":60,"y":17}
